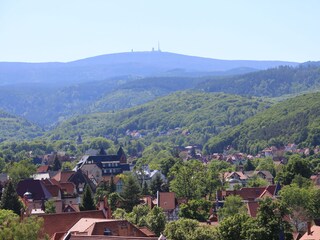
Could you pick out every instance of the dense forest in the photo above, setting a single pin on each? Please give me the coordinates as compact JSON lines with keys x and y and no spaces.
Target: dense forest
{"x":183,"y":118}
{"x":274,"y":82}
{"x":295,"y":120}
{"x":16,"y":128}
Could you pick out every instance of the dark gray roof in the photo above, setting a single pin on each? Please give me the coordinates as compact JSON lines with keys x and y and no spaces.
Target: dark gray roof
{"x":36,"y":187}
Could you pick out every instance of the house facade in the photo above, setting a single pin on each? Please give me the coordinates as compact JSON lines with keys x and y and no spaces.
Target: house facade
{"x":110,"y":165}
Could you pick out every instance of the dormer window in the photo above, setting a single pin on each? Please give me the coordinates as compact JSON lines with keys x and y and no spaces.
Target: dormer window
{"x":107,"y":232}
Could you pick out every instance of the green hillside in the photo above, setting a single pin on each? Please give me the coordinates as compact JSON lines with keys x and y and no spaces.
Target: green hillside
{"x":296,"y":120}
{"x":16,"y":128}
{"x":273,"y":82}
{"x":182,"y":117}
{"x":141,"y":91}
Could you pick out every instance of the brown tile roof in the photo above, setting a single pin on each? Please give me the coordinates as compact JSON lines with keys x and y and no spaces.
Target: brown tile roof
{"x":253,"y":208}
{"x":73,"y":237}
{"x":248,"y":193}
{"x":53,"y":190}
{"x":68,"y":187}
{"x":62,"y":222}
{"x":93,"y":226}
{"x":167,"y":200}
{"x":230,"y":174}
{"x":147,"y":231}
{"x":267,"y":174}
{"x":43,"y":168}
{"x":63,"y":176}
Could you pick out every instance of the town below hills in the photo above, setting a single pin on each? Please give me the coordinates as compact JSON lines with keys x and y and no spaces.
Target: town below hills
{"x":156,"y":144}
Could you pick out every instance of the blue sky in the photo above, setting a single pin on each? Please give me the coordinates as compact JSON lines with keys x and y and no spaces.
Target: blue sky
{"x":65,"y":30}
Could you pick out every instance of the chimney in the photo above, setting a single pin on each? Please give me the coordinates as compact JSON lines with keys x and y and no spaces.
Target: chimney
{"x":158,"y":199}
{"x":309,"y":228}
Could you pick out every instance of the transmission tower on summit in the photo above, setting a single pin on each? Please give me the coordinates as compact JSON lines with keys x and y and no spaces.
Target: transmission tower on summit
{"x":159,"y":50}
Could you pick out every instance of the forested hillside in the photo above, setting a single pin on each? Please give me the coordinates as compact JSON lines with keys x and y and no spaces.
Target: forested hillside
{"x":295,"y":120}
{"x":141,"y":91}
{"x":273,"y":82}
{"x":47,"y":104}
{"x":16,"y":128}
{"x":183,"y":117}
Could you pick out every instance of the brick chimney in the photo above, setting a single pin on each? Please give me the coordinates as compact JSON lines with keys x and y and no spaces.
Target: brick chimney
{"x":309,"y":228}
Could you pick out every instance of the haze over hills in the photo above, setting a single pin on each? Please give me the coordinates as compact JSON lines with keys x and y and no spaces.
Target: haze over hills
{"x":48,"y":103}
{"x":141,"y":64}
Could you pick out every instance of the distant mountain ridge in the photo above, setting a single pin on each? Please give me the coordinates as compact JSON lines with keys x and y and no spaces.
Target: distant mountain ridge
{"x":140,"y":64}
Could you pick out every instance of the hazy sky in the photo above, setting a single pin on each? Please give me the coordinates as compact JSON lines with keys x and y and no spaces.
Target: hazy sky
{"x":64,"y":30}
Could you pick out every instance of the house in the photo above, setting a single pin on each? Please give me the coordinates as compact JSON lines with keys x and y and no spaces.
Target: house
{"x":242,"y":177}
{"x":93,"y":172}
{"x":145,"y":174}
{"x":34,"y":194}
{"x":261,"y":174}
{"x":78,"y":178}
{"x":107,"y":227}
{"x":250,"y":194}
{"x":291,"y":147}
{"x":62,"y":222}
{"x":109,"y":164}
{"x":168,"y":202}
{"x":40,"y":176}
{"x":116,"y":180}
{"x":64,"y":194}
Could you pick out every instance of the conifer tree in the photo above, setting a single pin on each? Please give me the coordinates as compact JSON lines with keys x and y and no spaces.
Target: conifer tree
{"x":87,"y":200}
{"x":56,"y":164}
{"x":145,"y":189}
{"x":130,"y":193}
{"x":112,"y":186}
{"x":156,"y":184}
{"x":10,"y":199}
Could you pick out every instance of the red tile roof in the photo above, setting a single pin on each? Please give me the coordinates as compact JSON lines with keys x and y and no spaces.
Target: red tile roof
{"x":75,"y":237}
{"x":54,"y":190}
{"x":147,"y":231}
{"x":167,"y":200}
{"x":43,"y":168}
{"x":68,"y":187}
{"x":247,"y":193}
{"x":314,"y":235}
{"x":62,"y":222}
{"x":63,"y":176}
{"x":252,"y":208}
